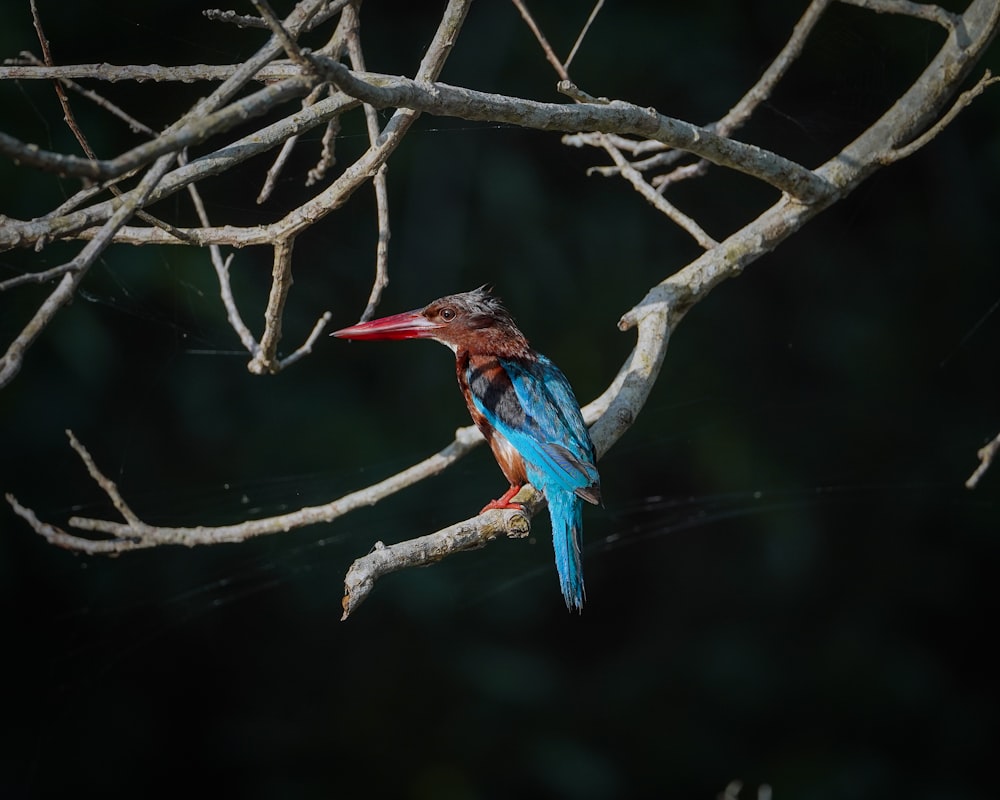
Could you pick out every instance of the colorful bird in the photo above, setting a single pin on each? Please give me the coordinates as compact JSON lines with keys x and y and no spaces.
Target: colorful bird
{"x":522,"y":404}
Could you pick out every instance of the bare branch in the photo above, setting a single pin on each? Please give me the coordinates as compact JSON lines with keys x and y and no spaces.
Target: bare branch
{"x":126,"y":536}
{"x":986,"y":456}
{"x":550,"y":55}
{"x":60,"y":92}
{"x":44,"y":276}
{"x":239,"y":20}
{"x":777,"y":69}
{"x":678,"y":174}
{"x":164,"y":151}
{"x":236,"y":322}
{"x":188,"y":73}
{"x":307,"y":346}
{"x":633,"y":176}
{"x":109,"y":486}
{"x":10,"y":363}
{"x":285,"y":152}
{"x":288,"y":42}
{"x":199,"y":124}
{"x":471,"y":534}
{"x":574,"y":92}
{"x":265,"y":359}
{"x":382,"y":246}
{"x":380,"y":181}
{"x":583,"y":32}
{"x":614,"y":117}
{"x":724,"y":127}
{"x":21,"y":233}
{"x":927,"y":11}
{"x":963,"y":100}
{"x":194,"y":129}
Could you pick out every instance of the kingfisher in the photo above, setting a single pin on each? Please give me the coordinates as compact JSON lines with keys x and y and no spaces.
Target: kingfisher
{"x":523,"y":405}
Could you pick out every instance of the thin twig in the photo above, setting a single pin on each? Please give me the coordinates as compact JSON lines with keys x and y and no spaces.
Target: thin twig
{"x":10,"y":362}
{"x":387,"y":91}
{"x":327,"y":154}
{"x":274,"y":171}
{"x":209,"y":116}
{"x":221,"y":266}
{"x":236,"y":322}
{"x":656,"y":200}
{"x":265,"y":360}
{"x":583,"y":32}
{"x":732,"y":121}
{"x":109,"y":486}
{"x":381,"y":246}
{"x":550,"y":55}
{"x":684,"y":173}
{"x":927,"y":11}
{"x":964,"y":99}
{"x":26,"y":278}
{"x":135,"y":125}
{"x":614,"y":117}
{"x":470,"y":534}
{"x":60,"y":92}
{"x":634,"y":146}
{"x":776,"y":70}
{"x":128,"y":537}
{"x":288,"y":43}
{"x":353,"y":41}
{"x":70,"y":119}
{"x":574,"y":92}
{"x":194,"y":129}
{"x":198,"y":121}
{"x":986,"y":456}
{"x":142,"y":73}
{"x":27,"y":232}
{"x":307,"y":346}
{"x":231,"y":17}
{"x":334,"y":48}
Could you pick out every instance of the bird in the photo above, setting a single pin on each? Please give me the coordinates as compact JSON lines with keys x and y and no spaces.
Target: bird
{"x":523,"y":405}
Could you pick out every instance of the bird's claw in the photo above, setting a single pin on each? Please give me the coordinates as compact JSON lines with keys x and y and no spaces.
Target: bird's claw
{"x":501,"y":505}
{"x":504,"y":501}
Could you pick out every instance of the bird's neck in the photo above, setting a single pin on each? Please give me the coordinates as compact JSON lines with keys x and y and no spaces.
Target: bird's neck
{"x":496,"y":343}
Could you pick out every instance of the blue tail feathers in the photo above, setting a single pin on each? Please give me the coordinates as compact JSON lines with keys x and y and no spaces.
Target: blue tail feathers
{"x":566,"y":513}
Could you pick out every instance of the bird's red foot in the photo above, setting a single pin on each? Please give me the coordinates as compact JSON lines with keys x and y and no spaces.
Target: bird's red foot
{"x":504,"y":501}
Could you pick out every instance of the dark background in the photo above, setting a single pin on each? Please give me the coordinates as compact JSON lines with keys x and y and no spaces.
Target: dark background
{"x":789,"y":583}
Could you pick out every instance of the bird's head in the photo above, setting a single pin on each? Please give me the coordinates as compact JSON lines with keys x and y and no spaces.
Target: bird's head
{"x":473,"y":321}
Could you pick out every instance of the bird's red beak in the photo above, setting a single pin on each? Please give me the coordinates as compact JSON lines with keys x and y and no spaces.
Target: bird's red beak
{"x":409,"y":325}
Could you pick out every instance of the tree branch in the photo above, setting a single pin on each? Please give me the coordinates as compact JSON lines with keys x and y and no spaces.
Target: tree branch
{"x":962,"y":102}
{"x":927,"y":11}
{"x":155,"y":73}
{"x":129,"y":536}
{"x":265,"y":359}
{"x":805,"y":193}
{"x":614,"y":117}
{"x":986,"y":454}
{"x":10,"y":362}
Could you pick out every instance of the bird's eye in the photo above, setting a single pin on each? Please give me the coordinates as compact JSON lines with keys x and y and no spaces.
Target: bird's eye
{"x":447,"y":314}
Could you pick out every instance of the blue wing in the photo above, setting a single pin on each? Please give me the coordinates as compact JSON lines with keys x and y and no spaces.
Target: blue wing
{"x":547,"y":428}
{"x":538,"y":414}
